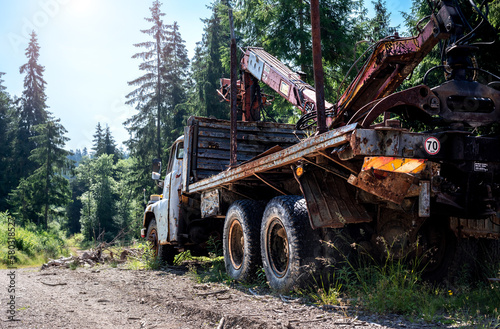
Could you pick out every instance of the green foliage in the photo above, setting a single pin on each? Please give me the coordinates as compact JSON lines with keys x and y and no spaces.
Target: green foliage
{"x":210,"y":63}
{"x":31,"y":112}
{"x":210,"y":270}
{"x":75,"y":240}
{"x":395,"y":285}
{"x":33,"y":245}
{"x":160,"y":96}
{"x":104,"y":143}
{"x":107,"y":199}
{"x":146,"y":259}
{"x":7,"y":133}
{"x":99,"y":201}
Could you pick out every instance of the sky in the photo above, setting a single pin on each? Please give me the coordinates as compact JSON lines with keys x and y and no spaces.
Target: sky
{"x":86,"y":48}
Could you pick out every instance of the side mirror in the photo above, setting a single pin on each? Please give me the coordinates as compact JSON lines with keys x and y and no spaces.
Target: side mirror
{"x":156,"y":169}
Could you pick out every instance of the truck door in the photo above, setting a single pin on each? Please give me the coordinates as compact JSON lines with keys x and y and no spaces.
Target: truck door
{"x":172,"y":189}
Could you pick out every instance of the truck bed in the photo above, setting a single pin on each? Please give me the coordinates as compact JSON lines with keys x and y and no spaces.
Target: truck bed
{"x":207,"y":148}
{"x":210,"y":178}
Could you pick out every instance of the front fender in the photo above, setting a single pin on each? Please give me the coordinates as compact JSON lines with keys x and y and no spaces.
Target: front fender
{"x":159,"y":212}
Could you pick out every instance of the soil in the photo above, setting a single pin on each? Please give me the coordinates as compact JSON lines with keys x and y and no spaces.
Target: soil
{"x":107,"y":297}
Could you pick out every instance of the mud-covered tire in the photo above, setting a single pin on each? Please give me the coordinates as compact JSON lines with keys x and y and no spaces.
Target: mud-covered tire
{"x":164,"y":253}
{"x":241,"y":243}
{"x":288,"y":243}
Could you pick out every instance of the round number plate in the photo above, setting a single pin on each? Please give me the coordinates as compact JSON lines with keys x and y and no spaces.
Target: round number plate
{"x":432,"y":145}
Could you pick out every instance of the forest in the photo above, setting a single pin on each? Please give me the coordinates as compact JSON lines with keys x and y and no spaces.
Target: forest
{"x":101,"y":191}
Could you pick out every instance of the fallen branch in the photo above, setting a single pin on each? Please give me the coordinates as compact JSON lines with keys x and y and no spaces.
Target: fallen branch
{"x":54,"y":284}
{"x":254,"y":293}
{"x":212,"y":292}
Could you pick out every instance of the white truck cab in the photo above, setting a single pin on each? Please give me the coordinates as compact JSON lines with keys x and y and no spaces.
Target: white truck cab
{"x":166,"y":210}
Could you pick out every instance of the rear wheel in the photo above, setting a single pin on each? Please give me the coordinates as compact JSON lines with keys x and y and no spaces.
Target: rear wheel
{"x":241,"y":239}
{"x":165,"y":253}
{"x":287,"y":243}
{"x":444,"y":256}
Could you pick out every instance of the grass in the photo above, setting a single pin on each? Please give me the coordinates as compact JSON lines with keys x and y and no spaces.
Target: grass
{"x":145,"y":261}
{"x":209,"y":269}
{"x":33,"y":246}
{"x":395,"y":285}
{"x":392,"y":285}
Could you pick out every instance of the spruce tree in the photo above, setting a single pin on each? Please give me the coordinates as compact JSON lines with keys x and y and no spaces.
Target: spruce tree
{"x":32,"y":110}
{"x":110,"y":145}
{"x":46,"y":188}
{"x":7,"y":123}
{"x":2,"y":87}
{"x":210,"y":63}
{"x":380,"y":23}
{"x":98,"y":145}
{"x":176,"y":68}
{"x":99,"y":201}
{"x":145,"y":126}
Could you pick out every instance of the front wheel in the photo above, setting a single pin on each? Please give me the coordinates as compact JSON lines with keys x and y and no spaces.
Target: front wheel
{"x":287,"y":243}
{"x":165,"y":253}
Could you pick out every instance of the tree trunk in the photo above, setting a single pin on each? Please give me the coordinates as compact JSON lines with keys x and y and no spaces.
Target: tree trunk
{"x":47,"y":179}
{"x":158,"y":98}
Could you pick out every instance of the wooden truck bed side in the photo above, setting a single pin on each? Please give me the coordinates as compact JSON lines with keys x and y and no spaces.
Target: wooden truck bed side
{"x":307,"y":147}
{"x":206,"y":145}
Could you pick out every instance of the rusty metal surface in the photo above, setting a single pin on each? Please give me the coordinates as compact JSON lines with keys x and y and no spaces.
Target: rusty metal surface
{"x":318,"y":67}
{"x":468,"y":101}
{"x":389,"y":186}
{"x":424,"y":199}
{"x":234,"y":93}
{"x":210,"y":204}
{"x":390,"y":63}
{"x":188,"y":151}
{"x":283,"y":80}
{"x":455,"y":145}
{"x":476,"y":228}
{"x":208,"y":144}
{"x":279,"y":159}
{"x":419,"y":98}
{"x":330,"y":200}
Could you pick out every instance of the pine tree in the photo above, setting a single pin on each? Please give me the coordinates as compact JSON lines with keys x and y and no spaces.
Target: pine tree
{"x":176,"y":68}
{"x":2,"y":87}
{"x":47,"y":187}
{"x":99,"y":200}
{"x":210,"y":63}
{"x":32,"y":111}
{"x":98,"y":145}
{"x":7,"y":123}
{"x":110,"y":145}
{"x":147,"y":97}
{"x":380,"y":23}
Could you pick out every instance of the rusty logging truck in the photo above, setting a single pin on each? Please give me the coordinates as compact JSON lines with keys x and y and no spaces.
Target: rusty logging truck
{"x":281,"y":198}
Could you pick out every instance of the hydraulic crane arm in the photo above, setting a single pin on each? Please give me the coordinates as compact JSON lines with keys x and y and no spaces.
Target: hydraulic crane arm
{"x":259,"y":65}
{"x":393,"y":59}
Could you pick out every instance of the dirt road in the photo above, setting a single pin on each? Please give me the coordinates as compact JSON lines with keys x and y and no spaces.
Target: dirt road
{"x":108,"y":297}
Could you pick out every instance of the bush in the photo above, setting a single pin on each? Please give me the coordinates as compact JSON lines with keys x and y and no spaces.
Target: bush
{"x":33,"y":246}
